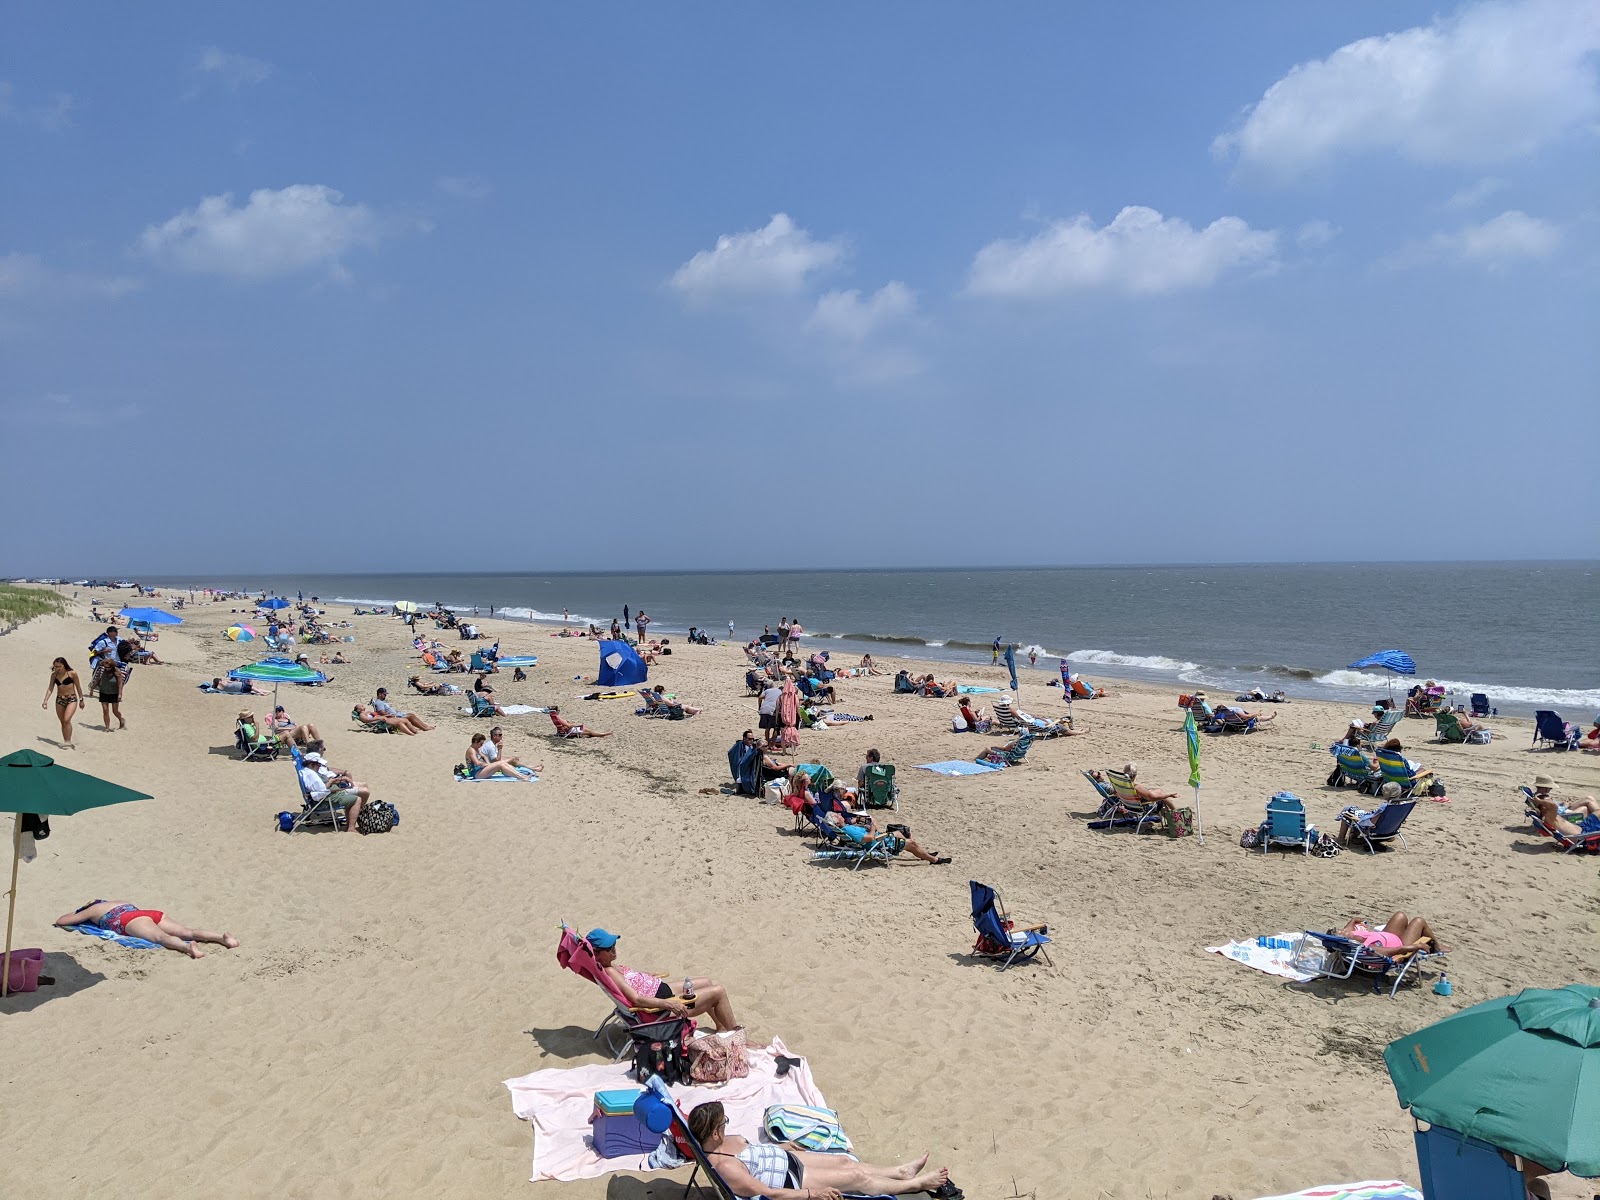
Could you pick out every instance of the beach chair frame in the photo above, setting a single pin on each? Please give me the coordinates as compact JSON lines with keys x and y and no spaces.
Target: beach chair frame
{"x":1396,"y":770}
{"x":1549,"y":727}
{"x":314,"y":812}
{"x":262,"y":751}
{"x":1345,"y":957}
{"x":1286,"y":825}
{"x":989,"y":910}
{"x":1383,"y":825}
{"x":1588,"y":843}
{"x":1382,"y":729}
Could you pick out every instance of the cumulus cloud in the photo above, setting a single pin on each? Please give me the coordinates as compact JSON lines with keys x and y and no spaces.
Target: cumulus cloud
{"x":232,"y":71}
{"x":1476,"y":194}
{"x":778,"y":258}
{"x":27,"y":277}
{"x":464,"y":187}
{"x":274,"y":233}
{"x":849,"y":317}
{"x":1488,"y":84}
{"x":1139,"y":252}
{"x":1316,"y":233}
{"x":1499,"y":242}
{"x":52,"y":115}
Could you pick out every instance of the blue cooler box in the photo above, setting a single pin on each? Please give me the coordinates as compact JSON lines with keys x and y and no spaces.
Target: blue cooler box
{"x":617,"y":1132}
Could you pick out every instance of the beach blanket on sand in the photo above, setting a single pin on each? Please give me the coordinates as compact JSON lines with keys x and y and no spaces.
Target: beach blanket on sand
{"x":513,"y":710}
{"x":121,"y":939}
{"x":525,"y":772}
{"x":559,"y":1102}
{"x":969,"y":689}
{"x":957,"y":766}
{"x":1371,"y":1189}
{"x":1275,"y":958}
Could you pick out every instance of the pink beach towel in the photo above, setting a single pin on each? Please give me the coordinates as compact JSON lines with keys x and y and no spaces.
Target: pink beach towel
{"x":559,"y":1102}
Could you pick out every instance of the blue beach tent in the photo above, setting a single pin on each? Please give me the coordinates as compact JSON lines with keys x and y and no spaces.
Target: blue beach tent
{"x":620,"y":666}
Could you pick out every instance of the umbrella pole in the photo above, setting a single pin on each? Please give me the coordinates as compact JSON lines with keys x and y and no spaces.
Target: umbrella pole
{"x":1199,"y":824}
{"x":11,"y":908}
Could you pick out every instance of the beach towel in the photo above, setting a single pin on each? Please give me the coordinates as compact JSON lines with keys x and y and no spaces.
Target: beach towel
{"x":956,"y":766}
{"x":559,"y":1102}
{"x":1371,"y":1189}
{"x":512,"y":710}
{"x":525,"y":772}
{"x":1276,"y":957}
{"x":969,"y":689}
{"x":518,"y":660}
{"x":121,"y":939}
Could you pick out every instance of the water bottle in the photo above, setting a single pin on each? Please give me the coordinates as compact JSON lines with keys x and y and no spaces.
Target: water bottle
{"x":1442,"y":988}
{"x":688,"y":988}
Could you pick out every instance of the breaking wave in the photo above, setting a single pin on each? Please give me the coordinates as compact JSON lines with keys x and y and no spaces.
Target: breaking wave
{"x":1146,"y":662}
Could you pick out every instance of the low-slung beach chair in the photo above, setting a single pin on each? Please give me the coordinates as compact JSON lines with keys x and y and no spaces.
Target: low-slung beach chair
{"x":1343,"y":958}
{"x":264,"y":749}
{"x":314,"y":812}
{"x":997,"y":937}
{"x":1457,"y":1167}
{"x":1480,"y":704}
{"x":1447,"y":727}
{"x":1355,"y":770}
{"x":1380,"y":825}
{"x":1114,"y":813}
{"x":369,"y":726}
{"x":1584,"y":843}
{"x":1381,"y":730}
{"x":482,"y":706}
{"x":836,"y":846}
{"x":1286,"y":824}
{"x":881,"y":790}
{"x":1397,"y":770}
{"x":575,"y":954}
{"x":1549,"y":727}
{"x":1425,"y":703}
{"x":1230,"y":720}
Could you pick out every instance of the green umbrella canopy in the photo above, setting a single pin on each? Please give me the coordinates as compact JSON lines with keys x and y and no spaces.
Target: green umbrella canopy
{"x":31,"y":782}
{"x":278,"y":669}
{"x":1520,"y":1072}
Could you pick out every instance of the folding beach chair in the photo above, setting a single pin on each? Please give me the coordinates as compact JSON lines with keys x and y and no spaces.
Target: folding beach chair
{"x":1426,"y":703}
{"x":369,"y":726}
{"x":1381,"y":730}
{"x":1140,"y":812}
{"x":575,"y":954}
{"x":744,"y":763}
{"x":836,"y":846}
{"x":1584,"y":843}
{"x":481,"y":705}
{"x":1230,"y":720}
{"x":1396,"y":769}
{"x":265,"y":750}
{"x":1286,"y":824}
{"x":1549,"y":727}
{"x":1342,"y":958}
{"x":314,"y":812}
{"x":997,"y":938}
{"x":881,"y":790}
{"x":702,"y":1162}
{"x":1457,"y":1167}
{"x":1354,"y":769}
{"x":1480,"y":704}
{"x":1112,"y":812}
{"x":1447,"y":727}
{"x":1380,"y":825}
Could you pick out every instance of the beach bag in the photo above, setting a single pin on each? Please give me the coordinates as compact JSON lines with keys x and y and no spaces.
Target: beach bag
{"x":1250,"y":839}
{"x":1178,"y":822}
{"x":809,"y":1128}
{"x":1436,"y":788}
{"x":1325,"y":847}
{"x":658,"y":1050}
{"x":718,"y":1057}
{"x":377,"y":816}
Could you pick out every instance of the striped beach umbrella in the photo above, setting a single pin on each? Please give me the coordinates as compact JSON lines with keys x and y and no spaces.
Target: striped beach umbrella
{"x":1397,"y":661}
{"x":239,"y":633}
{"x":151,"y":616}
{"x":276,"y":669}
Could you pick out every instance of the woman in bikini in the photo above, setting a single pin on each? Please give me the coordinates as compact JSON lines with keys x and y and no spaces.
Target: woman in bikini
{"x":1400,"y":935}
{"x":69,"y":696}
{"x":782,"y":1173}
{"x":128,"y":920}
{"x":650,"y":992}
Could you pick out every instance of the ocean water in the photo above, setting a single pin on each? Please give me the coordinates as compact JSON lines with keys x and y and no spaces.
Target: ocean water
{"x":1525,"y":633}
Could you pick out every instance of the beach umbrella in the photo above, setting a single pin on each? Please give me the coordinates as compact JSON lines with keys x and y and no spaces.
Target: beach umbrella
{"x":1011,"y":666}
{"x":275,"y":602}
{"x":1191,"y":738}
{"x":31,"y":782}
{"x":1397,"y":661}
{"x":151,"y":616}
{"x":1519,"y":1072}
{"x":239,"y":633}
{"x":276,"y":669}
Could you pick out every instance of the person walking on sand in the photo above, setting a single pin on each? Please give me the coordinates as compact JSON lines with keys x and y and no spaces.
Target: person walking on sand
{"x":69,"y":697}
{"x":153,"y":925}
{"x":730,"y":631}
{"x":108,"y":685}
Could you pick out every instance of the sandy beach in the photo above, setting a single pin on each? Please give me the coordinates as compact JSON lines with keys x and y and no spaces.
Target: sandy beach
{"x":355,"y":1043}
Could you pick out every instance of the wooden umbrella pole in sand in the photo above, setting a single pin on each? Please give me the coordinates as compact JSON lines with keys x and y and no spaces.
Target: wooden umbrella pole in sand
{"x":11,"y":906}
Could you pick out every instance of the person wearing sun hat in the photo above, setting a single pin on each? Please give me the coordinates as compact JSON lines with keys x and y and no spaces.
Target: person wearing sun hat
{"x":647,"y":992}
{"x":1562,"y":814}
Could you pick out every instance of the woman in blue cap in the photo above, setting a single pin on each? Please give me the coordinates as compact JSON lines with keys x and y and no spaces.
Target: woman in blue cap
{"x":653,"y":993}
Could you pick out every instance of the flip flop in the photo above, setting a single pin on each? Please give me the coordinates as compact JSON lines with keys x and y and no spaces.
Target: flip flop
{"x":947,"y":1191}
{"x":939,"y":862}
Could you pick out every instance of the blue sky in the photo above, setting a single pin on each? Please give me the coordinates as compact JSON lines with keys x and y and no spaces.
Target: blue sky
{"x":518,"y":287}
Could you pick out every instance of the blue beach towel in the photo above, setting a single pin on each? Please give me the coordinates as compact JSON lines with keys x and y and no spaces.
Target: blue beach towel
{"x":525,"y":772}
{"x":969,"y":689}
{"x":518,"y":660}
{"x":956,"y":766}
{"x":121,"y":939}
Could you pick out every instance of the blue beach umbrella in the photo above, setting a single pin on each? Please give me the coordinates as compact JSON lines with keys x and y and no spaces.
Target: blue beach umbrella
{"x":275,"y":602}
{"x":1397,"y":661}
{"x":151,"y":616}
{"x":1011,"y":666}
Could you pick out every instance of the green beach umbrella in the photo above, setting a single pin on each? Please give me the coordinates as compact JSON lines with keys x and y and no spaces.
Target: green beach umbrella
{"x":1520,"y":1072}
{"x":276,"y":669}
{"x":31,"y":782}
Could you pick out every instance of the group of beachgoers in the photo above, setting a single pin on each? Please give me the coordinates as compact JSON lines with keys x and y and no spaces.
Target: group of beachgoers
{"x":112,"y":658}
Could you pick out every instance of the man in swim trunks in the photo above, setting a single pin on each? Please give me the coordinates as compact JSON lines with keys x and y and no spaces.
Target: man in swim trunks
{"x":1571,"y":817}
{"x":565,"y":728}
{"x":1399,"y":936}
{"x":153,"y":925}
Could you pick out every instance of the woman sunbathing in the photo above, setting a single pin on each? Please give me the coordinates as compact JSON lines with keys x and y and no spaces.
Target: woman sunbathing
{"x":128,"y":920}
{"x":656,"y":700}
{"x":565,"y":728}
{"x":779,"y":1173}
{"x":1148,"y":795}
{"x":651,"y":993}
{"x":427,"y":689}
{"x":285,"y":727}
{"x":483,"y":767}
{"x":405,"y":722}
{"x":1399,"y":936}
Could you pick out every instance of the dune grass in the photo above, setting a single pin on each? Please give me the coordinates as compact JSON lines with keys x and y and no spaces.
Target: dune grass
{"x":19,"y":604}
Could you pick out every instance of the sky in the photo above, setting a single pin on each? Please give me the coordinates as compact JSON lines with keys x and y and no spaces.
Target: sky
{"x":546,"y":287}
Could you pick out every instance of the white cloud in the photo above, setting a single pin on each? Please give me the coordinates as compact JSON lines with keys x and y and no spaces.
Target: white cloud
{"x":779,"y":258}
{"x":64,"y":410}
{"x":1139,"y":252}
{"x":1476,"y":194}
{"x":1488,"y":84}
{"x":233,"y":71}
{"x":52,"y":117}
{"x":27,"y":277}
{"x":845,"y":315}
{"x":464,"y":187}
{"x":1499,"y":242}
{"x":276,"y":233}
{"x":1316,"y":233}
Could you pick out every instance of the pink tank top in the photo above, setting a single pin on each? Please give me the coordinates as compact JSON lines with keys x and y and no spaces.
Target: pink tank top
{"x":642,"y":982}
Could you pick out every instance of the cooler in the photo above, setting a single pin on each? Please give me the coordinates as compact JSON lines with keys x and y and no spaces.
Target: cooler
{"x":617,"y":1132}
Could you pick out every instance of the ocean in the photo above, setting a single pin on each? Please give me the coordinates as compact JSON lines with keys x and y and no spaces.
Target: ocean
{"x":1526,"y":633}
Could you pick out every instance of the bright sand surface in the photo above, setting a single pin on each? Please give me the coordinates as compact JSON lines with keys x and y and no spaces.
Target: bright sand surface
{"x":355,"y":1044}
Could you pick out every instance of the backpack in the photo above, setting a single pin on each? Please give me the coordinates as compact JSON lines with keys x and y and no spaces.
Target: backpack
{"x":658,"y":1050}
{"x":377,"y":816}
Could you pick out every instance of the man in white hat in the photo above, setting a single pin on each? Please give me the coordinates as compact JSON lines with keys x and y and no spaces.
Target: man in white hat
{"x":322,"y":781}
{"x":1561,"y":814}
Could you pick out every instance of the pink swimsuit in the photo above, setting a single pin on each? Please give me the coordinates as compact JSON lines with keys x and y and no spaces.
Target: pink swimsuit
{"x":642,"y":982}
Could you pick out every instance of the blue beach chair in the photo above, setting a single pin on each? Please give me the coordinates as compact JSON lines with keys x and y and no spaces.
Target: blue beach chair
{"x":1343,"y":958}
{"x":1286,"y":824}
{"x":1355,"y":770}
{"x":996,"y":937}
{"x":1480,"y":704}
{"x":1380,"y":825}
{"x":1457,"y":1167}
{"x":836,"y":845}
{"x":744,"y":763}
{"x":1549,"y":727}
